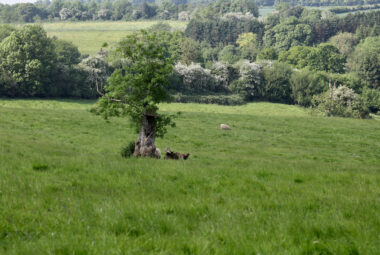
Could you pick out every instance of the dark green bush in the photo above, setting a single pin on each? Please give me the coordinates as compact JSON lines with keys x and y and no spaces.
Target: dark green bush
{"x":209,"y":99}
{"x":277,"y":82}
{"x":371,"y":98}
{"x":127,"y":150}
{"x":268,"y":54}
{"x":40,"y":167}
{"x":305,"y":84}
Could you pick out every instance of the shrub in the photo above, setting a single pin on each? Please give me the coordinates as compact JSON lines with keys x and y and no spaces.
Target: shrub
{"x":229,"y":54}
{"x":305,"y":84}
{"x":371,"y":98}
{"x":160,"y":26}
{"x":127,"y":150}
{"x":224,"y":74}
{"x":350,"y":80}
{"x":342,"y":102}
{"x":8,"y":84}
{"x":277,"y":82}
{"x":268,"y":54}
{"x":192,"y":79}
{"x":210,"y":99}
{"x":250,"y":82}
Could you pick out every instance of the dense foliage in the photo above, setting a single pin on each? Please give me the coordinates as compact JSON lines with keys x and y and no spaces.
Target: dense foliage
{"x":365,"y":61}
{"x":224,"y":30}
{"x":140,"y":83}
{"x":341,"y":101}
{"x":324,"y":57}
{"x":28,"y":60}
{"x":32,"y":64}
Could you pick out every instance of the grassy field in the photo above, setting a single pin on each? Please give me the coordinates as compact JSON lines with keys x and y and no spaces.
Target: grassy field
{"x":265,"y":11}
{"x":89,"y":36}
{"x":282,"y":181}
{"x":353,"y":12}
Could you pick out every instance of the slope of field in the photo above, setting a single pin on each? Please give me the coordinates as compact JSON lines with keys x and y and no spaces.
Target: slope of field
{"x":89,"y":36}
{"x":282,"y":181}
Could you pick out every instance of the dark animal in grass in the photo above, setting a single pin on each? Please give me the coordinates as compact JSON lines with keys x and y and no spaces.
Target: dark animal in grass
{"x":175,"y":155}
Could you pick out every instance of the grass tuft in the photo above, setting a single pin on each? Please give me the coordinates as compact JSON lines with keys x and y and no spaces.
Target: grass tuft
{"x":127,"y":150}
{"x":40,"y":167}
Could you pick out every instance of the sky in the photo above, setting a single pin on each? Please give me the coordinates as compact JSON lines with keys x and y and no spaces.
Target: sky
{"x":16,"y":1}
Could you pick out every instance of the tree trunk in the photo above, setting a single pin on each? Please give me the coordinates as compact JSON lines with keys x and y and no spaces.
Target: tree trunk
{"x":144,"y":146}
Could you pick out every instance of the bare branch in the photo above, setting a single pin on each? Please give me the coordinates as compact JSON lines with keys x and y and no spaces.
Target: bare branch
{"x":97,"y":88}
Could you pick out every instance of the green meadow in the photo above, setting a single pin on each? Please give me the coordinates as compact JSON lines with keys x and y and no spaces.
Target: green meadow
{"x":89,"y":36}
{"x":282,"y":181}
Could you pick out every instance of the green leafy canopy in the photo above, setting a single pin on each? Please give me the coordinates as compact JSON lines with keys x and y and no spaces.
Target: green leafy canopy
{"x":140,"y":83}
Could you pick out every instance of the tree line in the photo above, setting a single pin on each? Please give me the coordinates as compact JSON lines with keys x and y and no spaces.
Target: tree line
{"x":295,"y":55}
{"x":292,"y":56}
{"x":58,"y":10}
{"x":289,"y":27}
{"x":81,"y":10}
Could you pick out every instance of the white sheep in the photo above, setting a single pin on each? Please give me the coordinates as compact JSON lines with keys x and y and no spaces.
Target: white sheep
{"x":158,"y":153}
{"x":225,"y":127}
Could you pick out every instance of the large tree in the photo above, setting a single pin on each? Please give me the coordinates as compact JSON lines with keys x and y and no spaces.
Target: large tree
{"x":67,"y":53}
{"x":136,"y":88}
{"x":289,"y":33}
{"x":248,"y":45}
{"x":324,"y":57}
{"x":345,"y":42}
{"x":365,"y":61}
{"x":29,"y":59}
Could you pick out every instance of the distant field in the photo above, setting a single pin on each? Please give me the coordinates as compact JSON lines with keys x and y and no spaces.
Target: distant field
{"x":89,"y":36}
{"x":344,"y":14}
{"x":282,"y":181}
{"x":265,"y":11}
{"x":341,"y":14}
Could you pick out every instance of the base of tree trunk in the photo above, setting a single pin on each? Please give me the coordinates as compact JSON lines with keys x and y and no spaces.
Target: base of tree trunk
{"x":145,"y":146}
